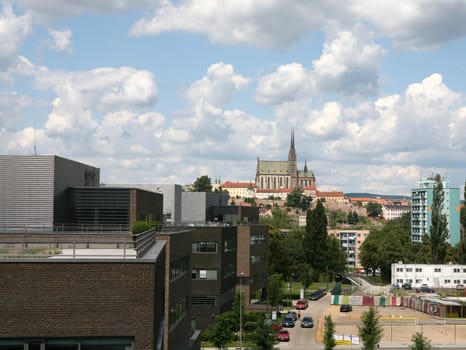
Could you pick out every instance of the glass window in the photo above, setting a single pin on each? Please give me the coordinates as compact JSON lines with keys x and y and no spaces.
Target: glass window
{"x":204,"y":274}
{"x":437,"y":269}
{"x":204,"y":247}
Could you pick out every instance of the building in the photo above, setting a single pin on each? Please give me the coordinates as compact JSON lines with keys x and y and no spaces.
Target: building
{"x":351,"y":241}
{"x":213,"y":270}
{"x":196,"y":207}
{"x":34,"y":188}
{"x":336,"y":197}
{"x":171,"y":199}
{"x":83,"y":301}
{"x":235,"y":214}
{"x":239,"y":189}
{"x":434,"y":276}
{"x":278,"y":174}
{"x":421,"y":210}
{"x":395,"y":211}
{"x":115,"y":208}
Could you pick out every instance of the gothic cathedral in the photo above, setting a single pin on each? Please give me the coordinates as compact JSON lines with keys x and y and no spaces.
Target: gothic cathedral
{"x":283,"y":174}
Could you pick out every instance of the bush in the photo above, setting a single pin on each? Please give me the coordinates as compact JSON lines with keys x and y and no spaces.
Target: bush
{"x":140,"y":226}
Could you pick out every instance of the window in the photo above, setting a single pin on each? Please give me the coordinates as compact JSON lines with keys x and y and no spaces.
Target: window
{"x":257,"y":239}
{"x":229,"y":245}
{"x":457,"y":281}
{"x":455,"y":270}
{"x":204,"y":247}
{"x":228,"y":270}
{"x":399,"y":280}
{"x":409,"y":269}
{"x":178,"y":310}
{"x":447,"y":281}
{"x":419,"y":281}
{"x":179,"y":267}
{"x":437,"y":269}
{"x":418,"y":269}
{"x":399,"y":269}
{"x":204,"y":274}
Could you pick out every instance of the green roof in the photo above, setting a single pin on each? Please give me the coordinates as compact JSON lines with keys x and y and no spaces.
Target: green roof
{"x":273,"y":167}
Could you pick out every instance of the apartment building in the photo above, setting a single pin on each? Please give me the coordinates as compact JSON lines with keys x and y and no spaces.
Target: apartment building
{"x":421,"y":210}
{"x":434,"y":276}
{"x":351,"y":241}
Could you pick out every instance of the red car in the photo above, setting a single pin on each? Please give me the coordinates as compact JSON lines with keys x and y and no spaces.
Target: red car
{"x":283,"y":335}
{"x":277,"y":327}
{"x":301,"y":304}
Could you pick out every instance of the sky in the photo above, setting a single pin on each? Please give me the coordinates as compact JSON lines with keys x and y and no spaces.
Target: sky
{"x":159,"y":91}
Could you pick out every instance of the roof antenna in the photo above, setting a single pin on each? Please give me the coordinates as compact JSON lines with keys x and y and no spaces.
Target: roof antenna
{"x":35,"y":148}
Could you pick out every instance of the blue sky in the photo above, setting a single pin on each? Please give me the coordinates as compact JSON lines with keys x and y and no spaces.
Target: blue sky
{"x":159,"y":91}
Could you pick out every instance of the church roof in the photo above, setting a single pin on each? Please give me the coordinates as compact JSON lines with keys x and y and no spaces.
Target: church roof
{"x":273,"y":167}
{"x":308,"y":173}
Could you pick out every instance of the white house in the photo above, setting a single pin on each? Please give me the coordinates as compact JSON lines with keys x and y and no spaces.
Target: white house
{"x":434,"y":276}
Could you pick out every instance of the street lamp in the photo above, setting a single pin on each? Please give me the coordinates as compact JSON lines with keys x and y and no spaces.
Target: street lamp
{"x":241,"y":310}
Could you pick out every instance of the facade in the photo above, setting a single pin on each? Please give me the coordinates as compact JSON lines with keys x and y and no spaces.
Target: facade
{"x":33,"y":188}
{"x":235,"y":214}
{"x":213,"y":271}
{"x":351,"y":241}
{"x":252,"y":261}
{"x":113,"y":207}
{"x":278,"y":174}
{"x":84,"y":302}
{"x":394,"y":211}
{"x":434,"y":276}
{"x":196,"y":207}
{"x":332,"y":197}
{"x":171,"y":199}
{"x":239,"y":189}
{"x":421,"y":210}
{"x":177,"y":307}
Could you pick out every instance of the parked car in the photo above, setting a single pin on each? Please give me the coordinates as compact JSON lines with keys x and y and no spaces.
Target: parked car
{"x":283,"y":335}
{"x":277,"y":327}
{"x":460,"y":287}
{"x":346,"y":308}
{"x":424,"y":289}
{"x":288,"y":322}
{"x":302,"y":304}
{"x":315,"y":295}
{"x":407,"y":286}
{"x":292,"y":314}
{"x":323,"y":292}
{"x":307,"y":322}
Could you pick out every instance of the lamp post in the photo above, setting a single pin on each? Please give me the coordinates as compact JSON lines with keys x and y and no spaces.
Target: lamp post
{"x":241,"y":310}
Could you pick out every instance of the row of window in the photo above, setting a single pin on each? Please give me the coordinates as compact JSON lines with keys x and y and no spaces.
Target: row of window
{"x":436,"y":269}
{"x":179,"y":267}
{"x":257,"y":239}
{"x":212,"y":247}
{"x":203,"y":274}
{"x":116,"y":343}
{"x":178,"y":310}
{"x":418,"y":281}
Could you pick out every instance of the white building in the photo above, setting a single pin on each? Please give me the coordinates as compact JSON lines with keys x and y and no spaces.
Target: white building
{"x":434,"y":276}
{"x":351,"y":241}
{"x":394,"y":211}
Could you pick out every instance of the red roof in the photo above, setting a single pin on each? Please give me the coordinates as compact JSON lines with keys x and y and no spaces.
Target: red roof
{"x":230,"y":184}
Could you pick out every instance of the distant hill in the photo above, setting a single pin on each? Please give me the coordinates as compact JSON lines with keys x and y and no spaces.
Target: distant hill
{"x":373,"y":195}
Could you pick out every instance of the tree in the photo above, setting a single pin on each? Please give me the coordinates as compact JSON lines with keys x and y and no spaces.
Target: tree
{"x":329,"y":332}
{"x":336,"y":258}
{"x":274,"y":290}
{"x":220,"y":333}
{"x":420,"y":342}
{"x":297,"y":199}
{"x":370,"y":331}
{"x":374,"y":209}
{"x":203,"y":184}
{"x":438,"y":229}
{"x":263,"y":337}
{"x":279,"y":219}
{"x":353,"y":218}
{"x":462,"y":242}
{"x":315,"y":240}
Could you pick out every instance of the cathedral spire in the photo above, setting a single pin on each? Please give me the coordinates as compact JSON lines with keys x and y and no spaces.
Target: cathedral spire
{"x":292,"y":152}
{"x":305,"y":166}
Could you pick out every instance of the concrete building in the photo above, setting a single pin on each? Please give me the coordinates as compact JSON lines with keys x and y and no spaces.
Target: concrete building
{"x":196,"y":207}
{"x":351,"y":241}
{"x":235,"y":214}
{"x":394,"y":211}
{"x":33,"y":188}
{"x":239,"y":189}
{"x":171,"y":199}
{"x":434,"y":276}
{"x":421,"y":210}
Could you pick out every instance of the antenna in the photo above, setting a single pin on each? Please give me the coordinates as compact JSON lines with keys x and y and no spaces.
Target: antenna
{"x":35,"y":148}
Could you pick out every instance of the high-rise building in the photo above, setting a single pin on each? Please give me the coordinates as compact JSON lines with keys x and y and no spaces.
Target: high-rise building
{"x":421,"y":209}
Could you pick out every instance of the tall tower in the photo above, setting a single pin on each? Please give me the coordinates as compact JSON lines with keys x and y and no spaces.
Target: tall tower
{"x":421,"y":210}
{"x":292,"y":165}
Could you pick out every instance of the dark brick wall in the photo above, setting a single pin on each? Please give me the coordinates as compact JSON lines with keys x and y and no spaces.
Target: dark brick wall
{"x":78,"y":299}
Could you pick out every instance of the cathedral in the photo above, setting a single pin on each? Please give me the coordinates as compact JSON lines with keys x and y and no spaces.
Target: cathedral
{"x":283,"y":174}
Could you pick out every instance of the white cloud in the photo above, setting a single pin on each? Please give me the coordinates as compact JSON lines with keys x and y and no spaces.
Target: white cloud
{"x":61,"y":40}
{"x":217,"y":86}
{"x":349,"y":63}
{"x":12,"y":105}
{"x":13,"y":30}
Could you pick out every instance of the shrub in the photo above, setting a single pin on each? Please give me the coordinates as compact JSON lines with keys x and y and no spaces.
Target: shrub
{"x":140,"y":226}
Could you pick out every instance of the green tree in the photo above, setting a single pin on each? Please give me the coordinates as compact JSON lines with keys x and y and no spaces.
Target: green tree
{"x":438,"y":229}
{"x":263,"y":337}
{"x":353,"y":218}
{"x":297,"y":199}
{"x":374,"y":209}
{"x":420,"y":342}
{"x":220,"y":333}
{"x":336,"y":258}
{"x":370,"y":330}
{"x":279,"y":219}
{"x":203,"y":184}
{"x":286,"y":254}
{"x":462,"y":242}
{"x":329,"y":332}
{"x":274,"y":290}
{"x":315,"y":240}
